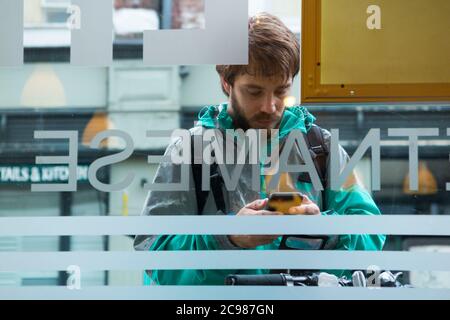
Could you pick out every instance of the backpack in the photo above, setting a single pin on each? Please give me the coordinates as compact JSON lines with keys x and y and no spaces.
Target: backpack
{"x":317,"y":148}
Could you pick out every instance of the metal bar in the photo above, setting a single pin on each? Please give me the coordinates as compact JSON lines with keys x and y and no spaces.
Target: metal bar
{"x":204,"y":225}
{"x":221,"y":293}
{"x":223,"y":260}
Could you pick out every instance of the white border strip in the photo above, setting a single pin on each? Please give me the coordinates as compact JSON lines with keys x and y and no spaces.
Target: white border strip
{"x":223,"y":260}
{"x":221,"y":293}
{"x":201,"y":225}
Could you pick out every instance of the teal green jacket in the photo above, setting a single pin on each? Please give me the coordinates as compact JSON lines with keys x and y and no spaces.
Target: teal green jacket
{"x":352,"y":199}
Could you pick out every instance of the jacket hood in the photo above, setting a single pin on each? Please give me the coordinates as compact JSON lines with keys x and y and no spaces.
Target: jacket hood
{"x":296,"y":117}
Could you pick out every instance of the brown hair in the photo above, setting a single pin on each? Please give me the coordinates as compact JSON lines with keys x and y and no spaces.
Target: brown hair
{"x":273,"y":51}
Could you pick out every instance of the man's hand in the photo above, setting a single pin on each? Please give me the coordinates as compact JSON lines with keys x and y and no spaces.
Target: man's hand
{"x":255,"y":208}
{"x":307,"y":208}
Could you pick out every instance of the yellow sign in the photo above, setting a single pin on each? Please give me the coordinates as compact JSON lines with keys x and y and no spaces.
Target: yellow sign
{"x":385,"y":41}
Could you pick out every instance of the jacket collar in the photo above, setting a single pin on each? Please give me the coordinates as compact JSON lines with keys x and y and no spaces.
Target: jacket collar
{"x":296,"y":117}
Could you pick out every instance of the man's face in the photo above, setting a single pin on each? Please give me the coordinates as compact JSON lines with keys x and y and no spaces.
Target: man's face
{"x":258,"y":103}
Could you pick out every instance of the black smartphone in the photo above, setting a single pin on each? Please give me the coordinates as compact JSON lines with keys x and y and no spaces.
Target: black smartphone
{"x":283,"y":201}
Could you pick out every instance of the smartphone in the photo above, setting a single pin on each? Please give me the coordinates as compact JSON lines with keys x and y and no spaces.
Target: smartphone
{"x":283,"y":201}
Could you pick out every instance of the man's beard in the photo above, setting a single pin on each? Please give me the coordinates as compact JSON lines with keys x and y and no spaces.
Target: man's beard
{"x":241,"y":122}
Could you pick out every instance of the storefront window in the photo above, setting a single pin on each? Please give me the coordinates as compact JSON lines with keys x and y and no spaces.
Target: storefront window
{"x":129,"y":98}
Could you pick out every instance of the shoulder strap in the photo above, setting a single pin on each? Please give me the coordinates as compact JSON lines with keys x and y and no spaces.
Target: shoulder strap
{"x":216,"y":183}
{"x":200,"y":195}
{"x":319,"y":151}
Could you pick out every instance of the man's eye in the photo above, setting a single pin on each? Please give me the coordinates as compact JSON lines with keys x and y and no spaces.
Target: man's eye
{"x":254,"y":93}
{"x":281,"y":93}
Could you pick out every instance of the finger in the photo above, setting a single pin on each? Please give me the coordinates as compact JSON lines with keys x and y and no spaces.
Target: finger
{"x":306,"y":200}
{"x":297,"y":210}
{"x":253,"y":212}
{"x":268,"y":213}
{"x":306,"y":209}
{"x":311,"y":209}
{"x":257,"y":204}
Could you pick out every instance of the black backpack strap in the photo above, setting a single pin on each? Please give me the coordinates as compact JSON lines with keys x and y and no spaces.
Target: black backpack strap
{"x":319,"y":151}
{"x":216,"y":182}
{"x":216,"y":188}
{"x":200,"y":195}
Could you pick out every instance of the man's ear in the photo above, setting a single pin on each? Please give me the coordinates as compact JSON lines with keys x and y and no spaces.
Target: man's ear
{"x":225,"y":86}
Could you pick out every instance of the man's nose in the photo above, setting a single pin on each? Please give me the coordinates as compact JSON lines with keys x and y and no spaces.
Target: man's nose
{"x":269,"y":105}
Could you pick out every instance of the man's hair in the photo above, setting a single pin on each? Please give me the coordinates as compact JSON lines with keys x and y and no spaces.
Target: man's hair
{"x":273,"y":51}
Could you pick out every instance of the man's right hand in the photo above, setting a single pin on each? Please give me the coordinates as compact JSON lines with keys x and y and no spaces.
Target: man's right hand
{"x":255,"y":208}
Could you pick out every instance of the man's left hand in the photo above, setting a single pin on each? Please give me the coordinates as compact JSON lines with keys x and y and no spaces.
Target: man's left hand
{"x":307,"y":208}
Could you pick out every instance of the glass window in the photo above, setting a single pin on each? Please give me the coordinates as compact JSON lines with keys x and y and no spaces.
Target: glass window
{"x":45,"y":21}
{"x":47,"y":93}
